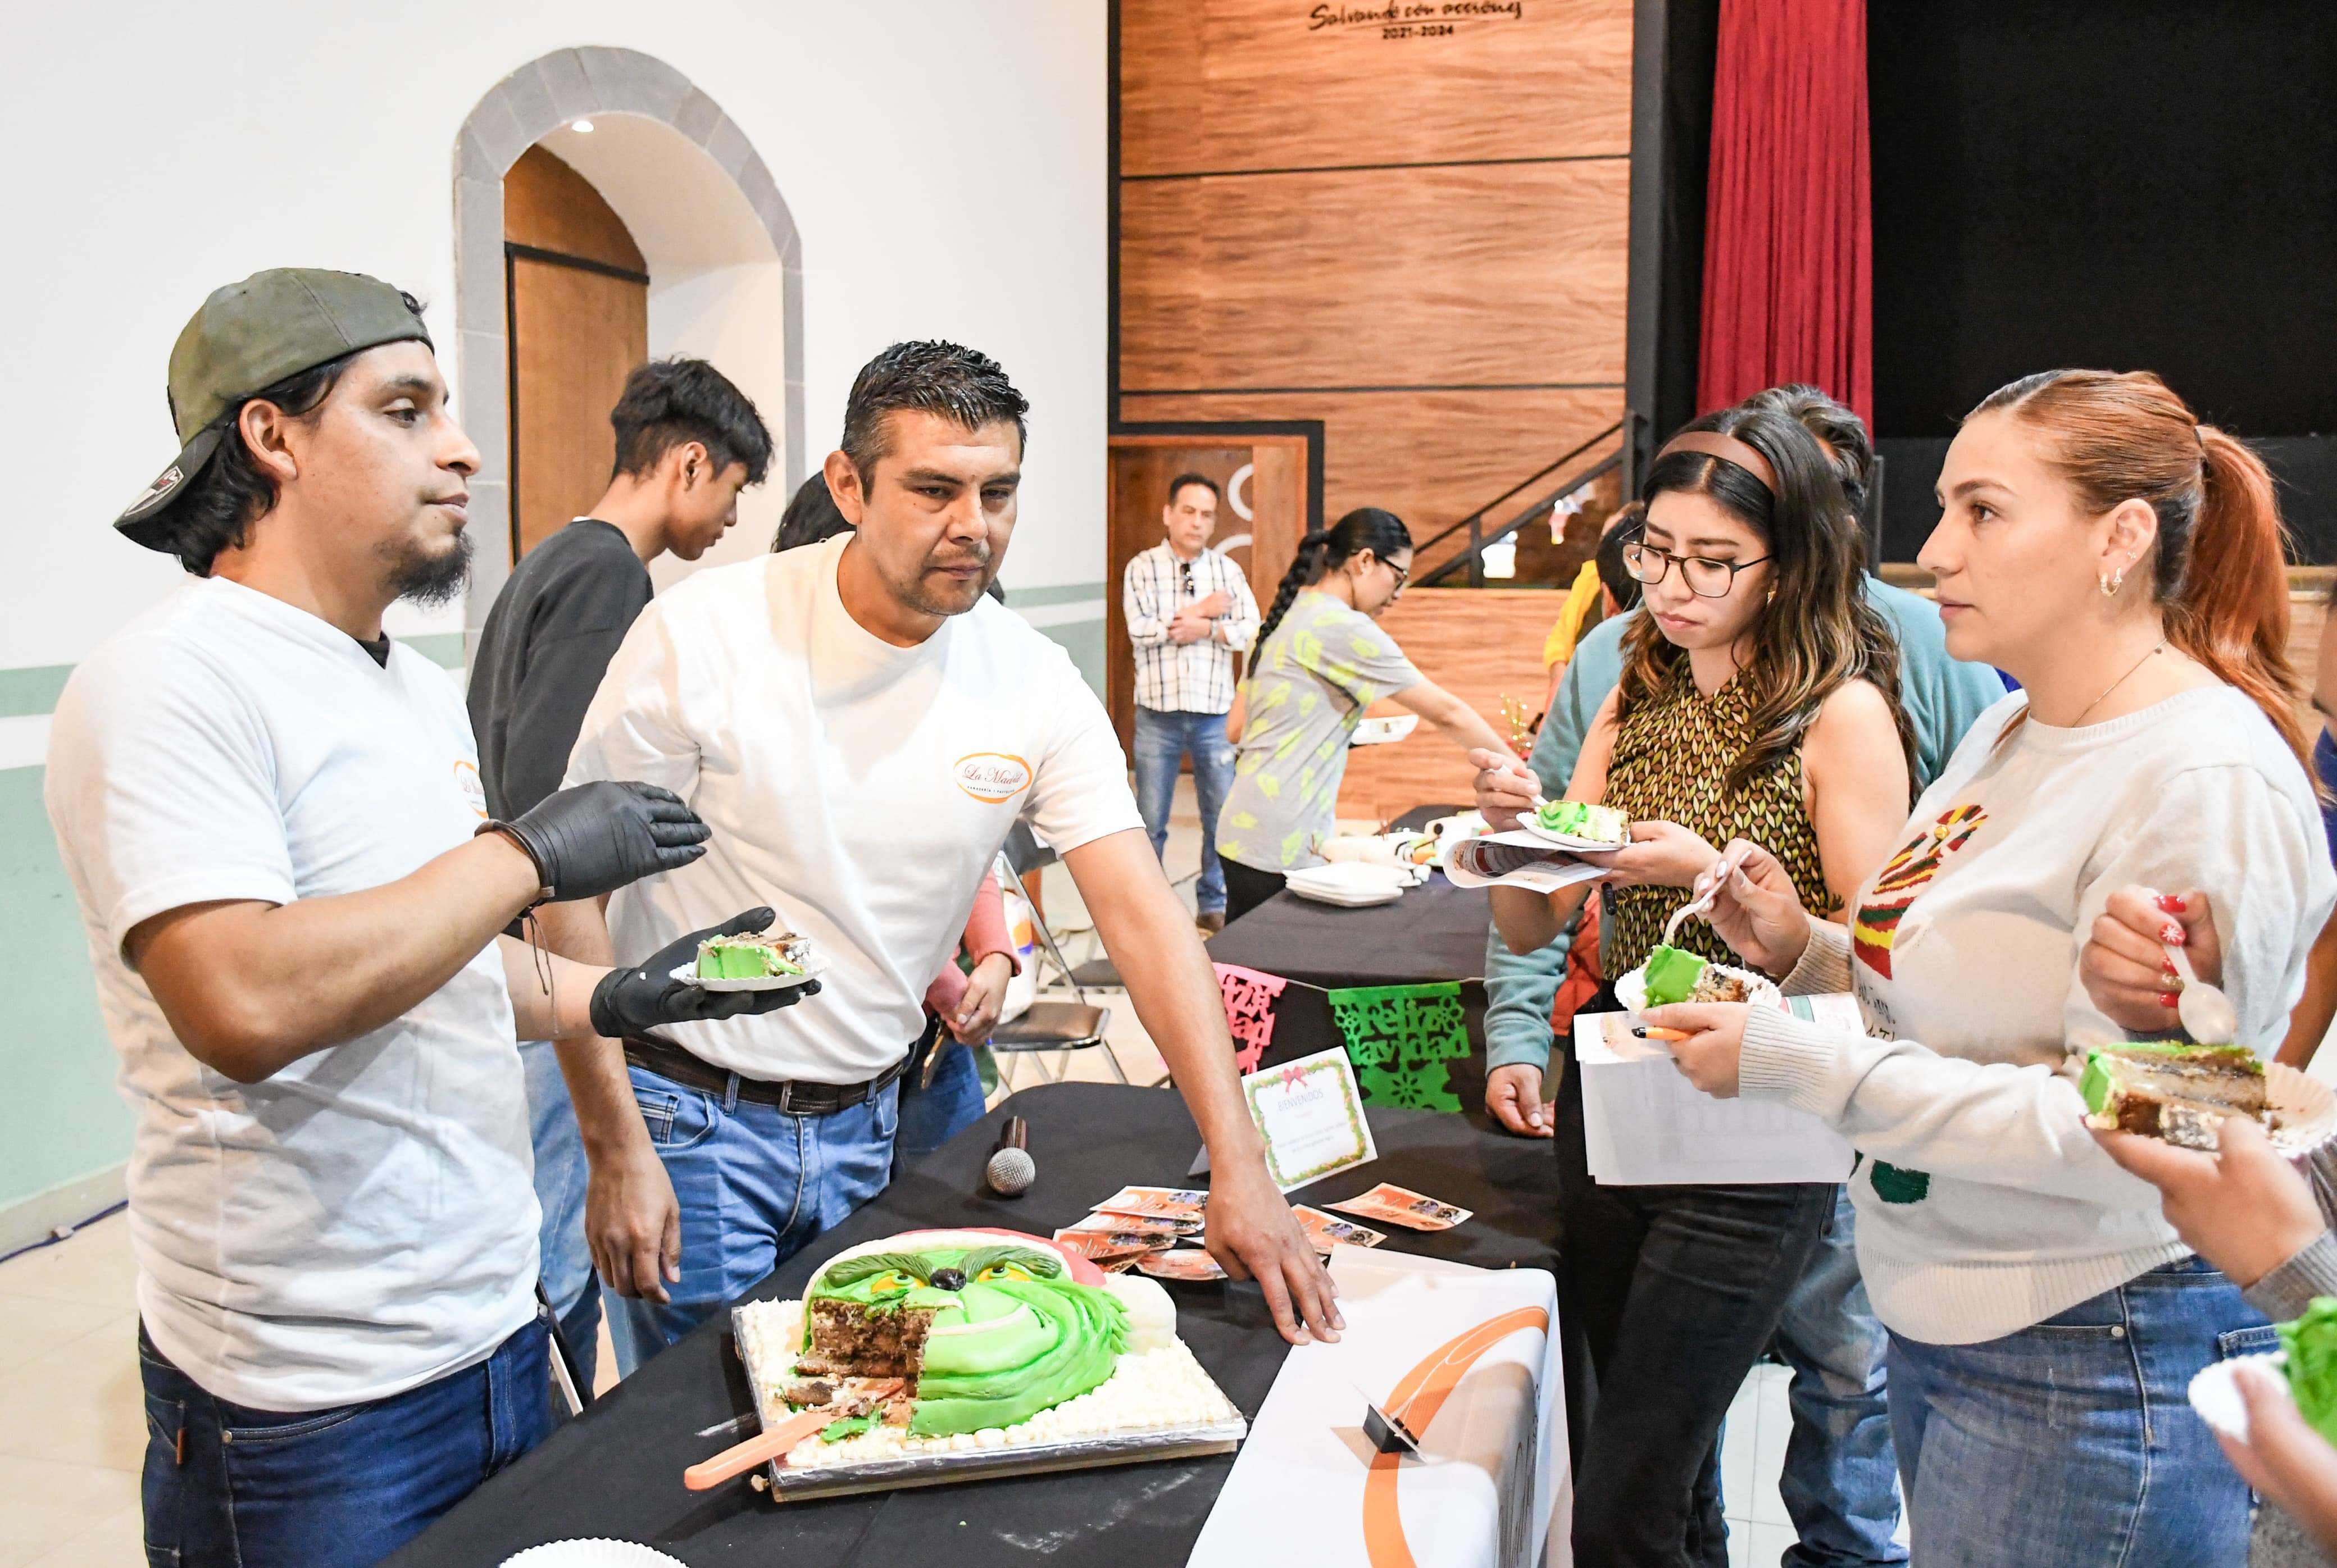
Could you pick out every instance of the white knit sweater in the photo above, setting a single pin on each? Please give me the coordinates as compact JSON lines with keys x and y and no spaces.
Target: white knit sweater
{"x":1984,"y":1206}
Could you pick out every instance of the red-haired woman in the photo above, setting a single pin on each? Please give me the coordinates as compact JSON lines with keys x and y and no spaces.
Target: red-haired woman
{"x":2123,"y":562}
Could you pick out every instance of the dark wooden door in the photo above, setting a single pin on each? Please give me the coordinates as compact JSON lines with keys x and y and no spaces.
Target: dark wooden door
{"x":578,"y":300}
{"x":1274,"y":489}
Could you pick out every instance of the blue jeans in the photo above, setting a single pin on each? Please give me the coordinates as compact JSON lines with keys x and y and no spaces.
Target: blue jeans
{"x":227,"y":1487}
{"x":1162,"y":740}
{"x":2071,"y":1443}
{"x":1841,"y":1484}
{"x":932,"y":1114}
{"x":561,"y":1178}
{"x":754,"y":1184}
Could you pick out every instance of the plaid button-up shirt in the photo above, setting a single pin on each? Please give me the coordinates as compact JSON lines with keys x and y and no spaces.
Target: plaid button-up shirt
{"x":1192,"y":676}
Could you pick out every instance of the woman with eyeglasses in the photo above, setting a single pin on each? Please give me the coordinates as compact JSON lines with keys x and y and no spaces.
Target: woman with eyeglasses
{"x":1757,"y":701}
{"x":1320,"y":661}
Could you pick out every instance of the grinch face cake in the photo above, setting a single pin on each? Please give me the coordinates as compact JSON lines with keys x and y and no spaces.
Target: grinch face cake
{"x":938,"y":1341}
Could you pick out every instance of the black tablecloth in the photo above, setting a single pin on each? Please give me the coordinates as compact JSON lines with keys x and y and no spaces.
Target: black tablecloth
{"x":1435,"y":931}
{"x":616,"y":1471}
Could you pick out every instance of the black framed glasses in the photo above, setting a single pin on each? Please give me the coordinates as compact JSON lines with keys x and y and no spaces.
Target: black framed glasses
{"x":1706,"y":578}
{"x":1402,"y":574}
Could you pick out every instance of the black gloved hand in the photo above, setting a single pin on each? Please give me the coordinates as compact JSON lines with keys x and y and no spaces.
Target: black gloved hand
{"x":595,"y":838}
{"x":636,"y":1000}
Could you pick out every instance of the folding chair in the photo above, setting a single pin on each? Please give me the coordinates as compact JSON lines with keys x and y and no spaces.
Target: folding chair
{"x":1064,"y":1026}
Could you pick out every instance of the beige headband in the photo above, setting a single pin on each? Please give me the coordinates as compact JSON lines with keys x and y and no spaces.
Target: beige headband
{"x":1727,"y":448}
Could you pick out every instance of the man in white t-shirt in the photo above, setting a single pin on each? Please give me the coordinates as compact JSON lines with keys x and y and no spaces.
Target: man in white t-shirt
{"x":272,"y":818}
{"x":859,"y":725}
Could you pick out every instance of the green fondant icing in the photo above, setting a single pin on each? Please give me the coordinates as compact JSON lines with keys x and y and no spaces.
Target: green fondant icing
{"x":1671,"y":975}
{"x":998,"y":1350}
{"x":2097,"y":1085}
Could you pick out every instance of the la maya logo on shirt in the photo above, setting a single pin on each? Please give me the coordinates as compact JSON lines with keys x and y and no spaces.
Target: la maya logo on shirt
{"x":473,"y":788}
{"x":991,"y":777}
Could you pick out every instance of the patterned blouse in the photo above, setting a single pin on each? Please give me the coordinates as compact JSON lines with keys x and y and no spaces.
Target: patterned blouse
{"x":1672,"y":758}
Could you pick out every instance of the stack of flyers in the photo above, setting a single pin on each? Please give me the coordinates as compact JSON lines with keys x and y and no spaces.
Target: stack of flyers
{"x":1189,"y":1264}
{"x":1325,"y":1230}
{"x":1397,"y":1206}
{"x":1157,"y":1202}
{"x":1149,"y":1224}
{"x":1103,"y":1246}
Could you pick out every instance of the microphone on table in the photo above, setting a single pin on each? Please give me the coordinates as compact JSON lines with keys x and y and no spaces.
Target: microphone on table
{"x":1011,"y":1170}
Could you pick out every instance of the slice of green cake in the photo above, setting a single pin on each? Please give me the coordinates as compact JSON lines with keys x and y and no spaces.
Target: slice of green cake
{"x":2178,"y":1093}
{"x":1582,"y":820}
{"x":743,"y":959}
{"x":1670,"y":976}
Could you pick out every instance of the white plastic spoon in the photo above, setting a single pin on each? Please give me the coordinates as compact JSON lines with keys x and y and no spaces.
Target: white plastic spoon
{"x":2207,"y":1014}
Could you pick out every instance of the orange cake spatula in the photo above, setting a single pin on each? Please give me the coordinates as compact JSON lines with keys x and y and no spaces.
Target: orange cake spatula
{"x":760,"y":1449}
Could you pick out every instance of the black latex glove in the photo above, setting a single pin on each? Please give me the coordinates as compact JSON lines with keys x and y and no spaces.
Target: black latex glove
{"x":636,"y":1000}
{"x":595,"y":838}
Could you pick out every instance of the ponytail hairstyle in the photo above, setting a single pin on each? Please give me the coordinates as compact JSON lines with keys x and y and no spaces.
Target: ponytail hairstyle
{"x":2219,"y":569}
{"x":1323,"y":550}
{"x":1818,"y":630}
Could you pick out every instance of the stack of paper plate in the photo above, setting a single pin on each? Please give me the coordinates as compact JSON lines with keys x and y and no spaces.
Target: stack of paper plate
{"x":1351,"y":885}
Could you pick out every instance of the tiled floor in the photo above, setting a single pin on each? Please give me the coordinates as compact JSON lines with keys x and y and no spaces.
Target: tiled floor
{"x":72,"y":1424}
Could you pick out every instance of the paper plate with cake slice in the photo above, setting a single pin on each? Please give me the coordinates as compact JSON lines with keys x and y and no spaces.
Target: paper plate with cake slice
{"x":2181,"y":1094}
{"x":1578,"y":825}
{"x":1673,"y":975}
{"x":941,"y":1356}
{"x":769,"y":962}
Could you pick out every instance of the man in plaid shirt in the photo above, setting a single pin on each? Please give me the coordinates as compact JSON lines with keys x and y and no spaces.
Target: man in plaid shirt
{"x":1189,"y":611}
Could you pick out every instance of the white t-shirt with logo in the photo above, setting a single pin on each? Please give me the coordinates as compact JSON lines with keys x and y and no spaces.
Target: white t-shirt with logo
{"x":858,"y":788}
{"x":362,"y":1220}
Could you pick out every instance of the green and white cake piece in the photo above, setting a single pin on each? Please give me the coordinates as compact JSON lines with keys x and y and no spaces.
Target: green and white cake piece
{"x":1584,"y":820}
{"x":751,"y":957}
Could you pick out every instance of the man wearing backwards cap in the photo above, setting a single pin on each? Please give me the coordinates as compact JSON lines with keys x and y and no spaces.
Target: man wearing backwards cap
{"x":271,"y":815}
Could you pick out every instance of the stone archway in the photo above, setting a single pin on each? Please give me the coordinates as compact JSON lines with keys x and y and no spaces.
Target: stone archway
{"x":531,"y":102}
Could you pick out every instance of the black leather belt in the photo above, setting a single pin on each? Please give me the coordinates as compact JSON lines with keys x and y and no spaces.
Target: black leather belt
{"x":795,"y":1096}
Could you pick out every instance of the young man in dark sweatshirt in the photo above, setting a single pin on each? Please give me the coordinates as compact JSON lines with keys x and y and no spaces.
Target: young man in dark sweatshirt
{"x":688,"y":442}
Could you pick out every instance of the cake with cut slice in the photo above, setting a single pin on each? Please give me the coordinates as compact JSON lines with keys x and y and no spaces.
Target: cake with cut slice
{"x":2178,"y":1093}
{"x":1582,"y":820}
{"x":748,"y":957}
{"x":938,"y":1340}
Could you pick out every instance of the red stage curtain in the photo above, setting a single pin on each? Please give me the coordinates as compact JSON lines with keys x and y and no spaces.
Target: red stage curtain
{"x":1788,"y":249}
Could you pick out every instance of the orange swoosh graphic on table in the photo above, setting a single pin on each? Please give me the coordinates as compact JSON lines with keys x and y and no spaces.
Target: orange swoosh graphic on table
{"x":1419,"y":1395}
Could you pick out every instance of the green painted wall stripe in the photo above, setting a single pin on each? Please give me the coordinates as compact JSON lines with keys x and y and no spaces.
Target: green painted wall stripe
{"x":1083,"y":640}
{"x":32,"y":690}
{"x":1061,"y":593}
{"x":64,"y":1121}
{"x":35,"y":688}
{"x":443,"y":649}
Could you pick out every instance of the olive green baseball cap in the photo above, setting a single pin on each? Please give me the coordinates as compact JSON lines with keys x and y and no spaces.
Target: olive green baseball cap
{"x":247,"y":337}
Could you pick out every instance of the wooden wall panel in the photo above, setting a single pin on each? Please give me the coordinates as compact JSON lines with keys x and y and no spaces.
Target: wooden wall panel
{"x":1505,"y":275}
{"x":1429,"y":457}
{"x":1209,"y":85}
{"x":1479,"y":644}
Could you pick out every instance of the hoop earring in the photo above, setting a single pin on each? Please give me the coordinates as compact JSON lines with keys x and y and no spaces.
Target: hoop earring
{"x":2114,"y":581}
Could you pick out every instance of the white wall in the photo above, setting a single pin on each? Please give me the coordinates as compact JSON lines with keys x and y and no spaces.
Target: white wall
{"x":945,"y":164}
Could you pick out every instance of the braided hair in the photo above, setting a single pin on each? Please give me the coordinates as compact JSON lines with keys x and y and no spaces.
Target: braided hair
{"x":1365,"y":528}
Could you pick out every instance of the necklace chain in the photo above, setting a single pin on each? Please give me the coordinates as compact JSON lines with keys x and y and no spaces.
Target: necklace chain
{"x":2079,"y":722}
